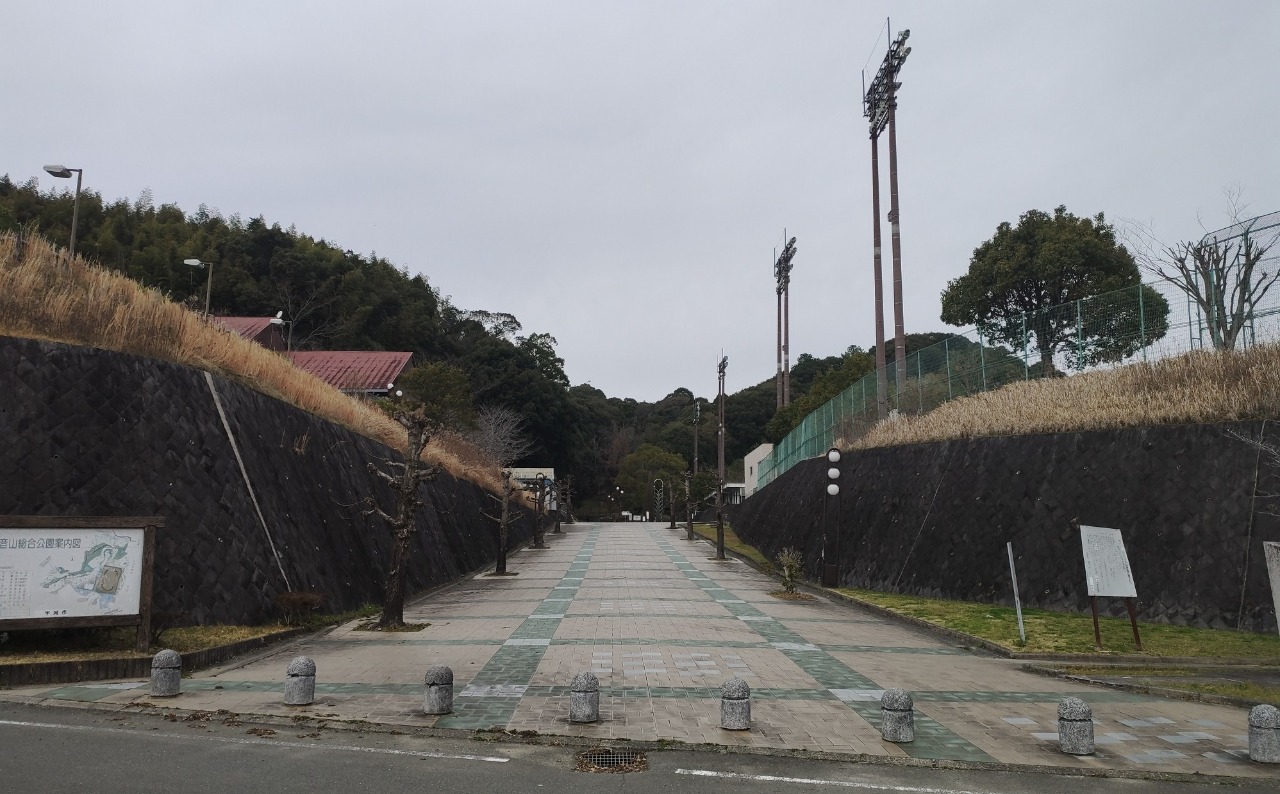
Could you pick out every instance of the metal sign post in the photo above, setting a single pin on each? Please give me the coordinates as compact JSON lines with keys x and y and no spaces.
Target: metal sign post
{"x":1017,"y":601}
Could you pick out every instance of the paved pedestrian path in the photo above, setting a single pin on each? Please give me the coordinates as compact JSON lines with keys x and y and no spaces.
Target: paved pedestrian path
{"x":663,"y":626}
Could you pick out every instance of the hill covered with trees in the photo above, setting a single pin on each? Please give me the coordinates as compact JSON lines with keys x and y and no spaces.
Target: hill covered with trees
{"x":339,"y":299}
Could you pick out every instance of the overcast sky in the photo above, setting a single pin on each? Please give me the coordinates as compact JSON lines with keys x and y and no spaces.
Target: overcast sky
{"x":617,"y":174}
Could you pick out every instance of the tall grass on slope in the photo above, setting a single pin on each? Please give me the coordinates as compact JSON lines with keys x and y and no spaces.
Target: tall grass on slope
{"x":43,"y":296}
{"x":1199,"y":387}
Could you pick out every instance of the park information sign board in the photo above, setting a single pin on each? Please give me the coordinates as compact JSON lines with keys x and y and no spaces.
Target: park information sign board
{"x":77,"y":571}
{"x":1106,"y":565}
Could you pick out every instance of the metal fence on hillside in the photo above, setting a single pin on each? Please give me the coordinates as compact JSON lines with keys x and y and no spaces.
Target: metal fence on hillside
{"x":1146,"y":322}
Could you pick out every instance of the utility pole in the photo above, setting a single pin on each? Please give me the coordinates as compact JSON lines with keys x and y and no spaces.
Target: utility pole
{"x":782,"y":272}
{"x":724,"y":364}
{"x":880,"y":103}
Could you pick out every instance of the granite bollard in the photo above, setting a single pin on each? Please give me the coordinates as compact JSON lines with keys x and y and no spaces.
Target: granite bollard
{"x":584,"y":698}
{"x":735,"y":705}
{"x":897,"y":716}
{"x":1075,"y":727}
{"x":166,"y":674}
{"x":1264,"y":734}
{"x":300,"y":682}
{"x":439,"y":695}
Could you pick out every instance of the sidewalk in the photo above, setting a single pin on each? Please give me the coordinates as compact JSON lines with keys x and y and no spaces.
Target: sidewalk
{"x":663,"y":626}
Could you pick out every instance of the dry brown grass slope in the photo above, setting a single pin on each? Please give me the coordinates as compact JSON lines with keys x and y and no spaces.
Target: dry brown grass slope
{"x":1201,"y":387}
{"x":42,"y":296}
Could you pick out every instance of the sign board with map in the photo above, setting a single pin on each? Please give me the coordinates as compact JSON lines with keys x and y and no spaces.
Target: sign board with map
{"x":1106,"y":565}
{"x":78,"y":571}
{"x":1107,"y":574}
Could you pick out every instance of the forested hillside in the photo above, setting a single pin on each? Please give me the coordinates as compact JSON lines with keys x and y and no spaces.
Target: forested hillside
{"x":340,"y":300}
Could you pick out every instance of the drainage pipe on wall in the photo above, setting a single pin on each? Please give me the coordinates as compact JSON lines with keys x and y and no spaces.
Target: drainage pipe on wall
{"x":253,"y":497}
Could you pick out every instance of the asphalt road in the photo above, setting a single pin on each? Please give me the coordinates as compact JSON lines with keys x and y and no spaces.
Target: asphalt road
{"x":75,"y":750}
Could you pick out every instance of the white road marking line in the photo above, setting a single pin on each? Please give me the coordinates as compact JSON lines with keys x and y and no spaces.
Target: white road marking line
{"x":269,"y":742}
{"x":817,"y":782}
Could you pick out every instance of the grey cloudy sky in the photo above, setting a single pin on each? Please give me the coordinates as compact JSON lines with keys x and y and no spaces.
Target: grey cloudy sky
{"x":617,"y":173}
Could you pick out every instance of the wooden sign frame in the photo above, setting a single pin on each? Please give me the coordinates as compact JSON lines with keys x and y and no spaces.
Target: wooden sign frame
{"x":148,"y":524}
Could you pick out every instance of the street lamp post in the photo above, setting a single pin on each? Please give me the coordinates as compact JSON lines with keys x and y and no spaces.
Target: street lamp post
{"x":62,"y":172}
{"x":208,"y":289}
{"x":831,"y":570}
{"x":721,"y":367}
{"x":277,"y":320}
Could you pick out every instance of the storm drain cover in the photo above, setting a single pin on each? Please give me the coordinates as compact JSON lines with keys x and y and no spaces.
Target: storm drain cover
{"x":608,"y":759}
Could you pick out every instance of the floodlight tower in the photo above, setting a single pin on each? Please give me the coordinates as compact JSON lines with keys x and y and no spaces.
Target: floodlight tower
{"x":880,"y":102}
{"x":782,"y":272}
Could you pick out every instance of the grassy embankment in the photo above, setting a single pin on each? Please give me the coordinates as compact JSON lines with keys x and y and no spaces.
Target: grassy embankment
{"x":1198,"y":387}
{"x":43,"y":296}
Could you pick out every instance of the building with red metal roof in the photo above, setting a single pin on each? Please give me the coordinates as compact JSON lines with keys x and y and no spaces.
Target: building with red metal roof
{"x":353,"y":371}
{"x":256,"y":329}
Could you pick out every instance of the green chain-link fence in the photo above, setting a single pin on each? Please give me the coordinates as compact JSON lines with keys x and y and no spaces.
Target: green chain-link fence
{"x":1140,"y":323}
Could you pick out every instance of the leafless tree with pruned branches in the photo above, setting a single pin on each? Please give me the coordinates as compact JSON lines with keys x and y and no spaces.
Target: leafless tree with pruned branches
{"x":1221,"y":272}
{"x":503,"y":520}
{"x":404,"y":479}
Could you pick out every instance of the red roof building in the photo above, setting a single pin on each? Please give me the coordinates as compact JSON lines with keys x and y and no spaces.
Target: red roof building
{"x":358,"y":371}
{"x":255,"y":329}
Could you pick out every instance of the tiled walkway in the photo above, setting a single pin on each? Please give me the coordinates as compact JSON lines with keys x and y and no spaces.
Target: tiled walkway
{"x":663,"y":626}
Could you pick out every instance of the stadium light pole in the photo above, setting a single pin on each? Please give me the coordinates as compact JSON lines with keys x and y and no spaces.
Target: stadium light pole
{"x":782,"y":272}
{"x":62,"y":172}
{"x":880,"y":103}
{"x":208,"y":288}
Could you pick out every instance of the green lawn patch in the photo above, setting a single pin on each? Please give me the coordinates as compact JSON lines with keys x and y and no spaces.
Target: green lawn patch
{"x":74,"y":645}
{"x":1057,"y":632}
{"x":733,"y":543}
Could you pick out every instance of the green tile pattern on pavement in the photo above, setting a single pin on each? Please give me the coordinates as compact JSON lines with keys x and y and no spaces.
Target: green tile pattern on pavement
{"x":933,"y":740}
{"x":492,"y":696}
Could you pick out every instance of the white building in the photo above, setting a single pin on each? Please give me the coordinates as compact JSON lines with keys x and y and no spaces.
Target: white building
{"x":751,"y":467}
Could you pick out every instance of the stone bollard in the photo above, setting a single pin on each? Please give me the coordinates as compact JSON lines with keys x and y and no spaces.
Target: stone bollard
{"x":300,"y":682}
{"x":166,"y":674}
{"x":584,"y":698}
{"x":735,"y":705}
{"x":1075,"y":727}
{"x":897,"y":716}
{"x":439,"y":696}
{"x":1264,"y":734}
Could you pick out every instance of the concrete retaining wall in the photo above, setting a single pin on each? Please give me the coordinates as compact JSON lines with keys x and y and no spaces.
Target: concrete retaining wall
{"x":1194,"y":504}
{"x":90,"y":432}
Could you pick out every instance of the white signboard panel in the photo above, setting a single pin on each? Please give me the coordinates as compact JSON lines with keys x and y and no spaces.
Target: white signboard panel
{"x":1106,"y":565}
{"x":47,"y":573}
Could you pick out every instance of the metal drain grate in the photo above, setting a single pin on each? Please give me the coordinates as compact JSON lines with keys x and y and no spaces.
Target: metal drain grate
{"x":607,"y":759}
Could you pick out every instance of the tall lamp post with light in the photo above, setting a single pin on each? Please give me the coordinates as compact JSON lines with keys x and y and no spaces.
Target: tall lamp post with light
{"x":62,"y":172}
{"x":277,"y":321}
{"x":831,"y":570}
{"x":208,"y":288}
{"x":720,"y":368}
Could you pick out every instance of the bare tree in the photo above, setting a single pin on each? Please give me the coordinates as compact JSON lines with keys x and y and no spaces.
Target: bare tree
{"x":1220,"y":273}
{"x":499,"y":435}
{"x":404,"y":479}
{"x":299,"y":305}
{"x":503,"y":519}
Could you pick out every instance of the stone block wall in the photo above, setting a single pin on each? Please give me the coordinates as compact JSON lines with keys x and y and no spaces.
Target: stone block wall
{"x":1193,"y":502}
{"x":91,"y":432}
